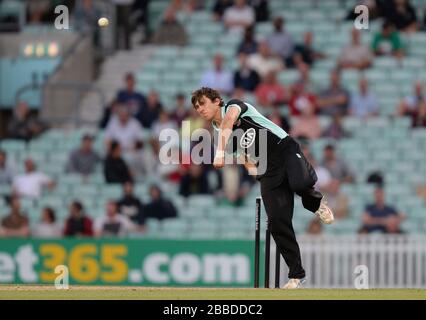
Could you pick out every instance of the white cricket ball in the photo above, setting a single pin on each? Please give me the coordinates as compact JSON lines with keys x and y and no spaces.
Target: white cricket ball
{"x":103,"y":22}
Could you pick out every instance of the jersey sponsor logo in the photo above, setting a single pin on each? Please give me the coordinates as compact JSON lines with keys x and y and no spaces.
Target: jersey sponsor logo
{"x":298,"y":155}
{"x":248,"y":138}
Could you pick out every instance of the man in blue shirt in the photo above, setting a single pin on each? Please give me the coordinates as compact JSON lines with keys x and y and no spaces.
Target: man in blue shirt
{"x":381,"y":217}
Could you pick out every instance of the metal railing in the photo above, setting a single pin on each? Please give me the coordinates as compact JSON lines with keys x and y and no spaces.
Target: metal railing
{"x":392,"y":261}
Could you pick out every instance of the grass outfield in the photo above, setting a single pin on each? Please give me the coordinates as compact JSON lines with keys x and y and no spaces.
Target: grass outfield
{"x":128,"y":293}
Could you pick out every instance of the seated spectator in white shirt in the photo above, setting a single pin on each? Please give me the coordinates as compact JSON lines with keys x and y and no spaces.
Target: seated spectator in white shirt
{"x":31,"y":183}
{"x":218,"y":78}
{"x":47,"y":227}
{"x":338,"y":168}
{"x":281,"y":42}
{"x":239,"y":16}
{"x":6,"y":170}
{"x":307,"y":124}
{"x":264,"y":61}
{"x":364,"y":103}
{"x":83,"y":160}
{"x":355,"y":55}
{"x":160,"y":126}
{"x":124,"y":129}
{"x":113,"y":223}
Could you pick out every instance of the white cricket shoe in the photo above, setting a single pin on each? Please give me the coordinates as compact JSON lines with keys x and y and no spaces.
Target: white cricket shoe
{"x":324,"y":212}
{"x":294,"y":284}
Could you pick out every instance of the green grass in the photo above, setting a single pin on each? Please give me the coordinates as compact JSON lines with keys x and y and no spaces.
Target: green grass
{"x":128,"y":293}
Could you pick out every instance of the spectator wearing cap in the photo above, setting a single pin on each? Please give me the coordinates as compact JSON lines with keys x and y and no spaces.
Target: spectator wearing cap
{"x":83,"y":160}
{"x":381,"y":217}
{"x":31,"y":183}
{"x":281,"y":42}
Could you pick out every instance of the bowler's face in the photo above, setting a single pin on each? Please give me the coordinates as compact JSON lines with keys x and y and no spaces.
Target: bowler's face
{"x":206,"y":108}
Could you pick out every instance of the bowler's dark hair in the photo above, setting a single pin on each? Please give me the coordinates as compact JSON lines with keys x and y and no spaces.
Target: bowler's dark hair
{"x":210,"y":93}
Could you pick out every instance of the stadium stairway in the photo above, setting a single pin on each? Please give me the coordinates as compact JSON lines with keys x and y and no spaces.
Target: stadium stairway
{"x":111,"y":79}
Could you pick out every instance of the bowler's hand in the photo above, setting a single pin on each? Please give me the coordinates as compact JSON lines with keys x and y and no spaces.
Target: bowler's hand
{"x":219,"y":160}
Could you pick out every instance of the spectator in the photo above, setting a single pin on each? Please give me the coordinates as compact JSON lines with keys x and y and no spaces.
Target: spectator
{"x":23,"y":125}
{"x":235,"y":184}
{"x":334,"y":100}
{"x":305,"y":53}
{"x":309,"y":86}
{"x":159,"y":208}
{"x":180,"y":110}
{"x":314,"y":227}
{"x":31,"y":183}
{"x":410,"y":104}
{"x":419,"y":117}
{"x":270,"y":93}
{"x":245,"y":78}
{"x":141,"y":162}
{"x":78,"y":223}
{"x":113,"y":223}
{"x":37,"y":11}
{"x":337,"y":201}
{"x":131,"y":207}
{"x":134,"y":100}
{"x":218,"y":78}
{"x":164,"y":123}
{"x":403,"y":15}
{"x":355,"y":55}
{"x":47,"y":227}
{"x":6,"y":170}
{"x":194,"y":181}
{"x":170,"y":31}
{"x":280,"y":42}
{"x":307,"y":124}
{"x":239,"y":16}
{"x":364,"y":104}
{"x":86,"y":17}
{"x":124,"y":129}
{"x":261,"y":9}
{"x":381,"y":217}
{"x":388,"y":42}
{"x":300,"y":99}
{"x":16,"y":224}
{"x":335,"y":130}
{"x":249,"y":44}
{"x":83,"y":160}
{"x":338,"y":169}
{"x":115,"y":168}
{"x":220,"y":7}
{"x":263,"y":61}
{"x":150,"y":113}
{"x":123,"y":10}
